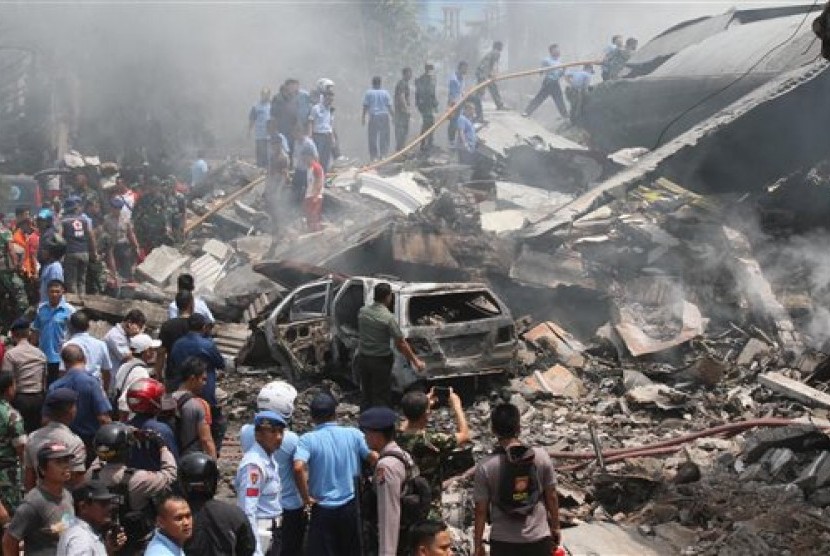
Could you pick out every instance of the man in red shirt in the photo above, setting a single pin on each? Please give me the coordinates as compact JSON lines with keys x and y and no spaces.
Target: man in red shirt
{"x":313,"y":203}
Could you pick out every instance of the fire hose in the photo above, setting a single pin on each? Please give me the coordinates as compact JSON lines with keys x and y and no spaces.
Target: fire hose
{"x":667,"y":446}
{"x":473,"y":91}
{"x":443,"y":118}
{"x":662,"y":447}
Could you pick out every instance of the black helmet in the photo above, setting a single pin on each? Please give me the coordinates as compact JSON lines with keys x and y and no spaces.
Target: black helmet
{"x":112,"y":442}
{"x":198,"y":474}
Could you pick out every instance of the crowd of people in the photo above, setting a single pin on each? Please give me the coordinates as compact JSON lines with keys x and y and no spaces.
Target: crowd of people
{"x":89,"y":233}
{"x":110,"y":446}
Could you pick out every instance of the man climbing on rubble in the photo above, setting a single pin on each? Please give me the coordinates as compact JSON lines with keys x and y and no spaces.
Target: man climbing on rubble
{"x":467,"y":138}
{"x":299,"y":178}
{"x":429,"y":448}
{"x":515,"y":490}
{"x":403,"y":108}
{"x":427,"y":103}
{"x":378,"y":329}
{"x":487,"y":68}
{"x":377,"y":105}
{"x":455,"y":90}
{"x":315,"y":183}
{"x":550,"y":84}
{"x":579,"y":85}
{"x":610,"y":59}
{"x":321,"y":127}
{"x":152,"y":218}
{"x":258,"y":123}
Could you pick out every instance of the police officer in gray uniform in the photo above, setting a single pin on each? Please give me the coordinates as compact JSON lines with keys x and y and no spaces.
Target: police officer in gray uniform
{"x":258,"y":483}
{"x":378,"y":425}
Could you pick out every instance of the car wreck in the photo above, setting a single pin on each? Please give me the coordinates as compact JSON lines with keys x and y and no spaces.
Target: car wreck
{"x":457,"y":329}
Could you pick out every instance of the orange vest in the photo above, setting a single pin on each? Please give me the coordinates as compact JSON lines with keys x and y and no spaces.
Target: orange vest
{"x":29,"y":265}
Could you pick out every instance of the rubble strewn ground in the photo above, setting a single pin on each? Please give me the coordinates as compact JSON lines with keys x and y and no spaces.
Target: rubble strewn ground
{"x":672,"y":334}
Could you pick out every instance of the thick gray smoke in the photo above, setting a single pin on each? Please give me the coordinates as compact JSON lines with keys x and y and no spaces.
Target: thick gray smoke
{"x":171,"y":76}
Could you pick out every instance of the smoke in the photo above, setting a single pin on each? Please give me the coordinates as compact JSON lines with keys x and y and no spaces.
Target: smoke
{"x":172,"y":76}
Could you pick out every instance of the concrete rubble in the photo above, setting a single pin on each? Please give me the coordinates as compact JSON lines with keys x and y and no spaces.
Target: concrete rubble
{"x":647,"y":306}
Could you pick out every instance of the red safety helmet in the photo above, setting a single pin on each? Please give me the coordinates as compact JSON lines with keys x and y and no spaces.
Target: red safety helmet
{"x":144,"y":396}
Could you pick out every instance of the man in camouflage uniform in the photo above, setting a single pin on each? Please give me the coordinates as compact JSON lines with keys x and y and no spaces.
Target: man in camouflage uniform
{"x":12,"y":290}
{"x":12,"y":442}
{"x":431,"y":449}
{"x":152,"y":217}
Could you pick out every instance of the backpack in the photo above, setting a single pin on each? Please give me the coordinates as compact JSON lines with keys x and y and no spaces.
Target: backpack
{"x":519,"y":487}
{"x":416,"y":496}
{"x":174,"y":420}
{"x":138,"y":524}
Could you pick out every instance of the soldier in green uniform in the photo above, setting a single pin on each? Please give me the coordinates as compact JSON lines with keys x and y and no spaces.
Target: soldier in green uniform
{"x":152,"y":217}
{"x":12,"y":442}
{"x":12,"y":290}
{"x":431,"y":449}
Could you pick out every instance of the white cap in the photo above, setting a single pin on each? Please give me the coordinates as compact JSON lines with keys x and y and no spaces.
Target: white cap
{"x":141,"y":342}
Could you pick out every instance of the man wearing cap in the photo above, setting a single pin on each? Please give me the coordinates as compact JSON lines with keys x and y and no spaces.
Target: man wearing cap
{"x":28,"y":365}
{"x":279,"y":396}
{"x":378,"y":425}
{"x":118,"y":337}
{"x":139,"y":364}
{"x":258,"y":483}
{"x":92,"y":534}
{"x":46,"y":511}
{"x":196,"y":344}
{"x":122,"y":247}
{"x":96,"y":353}
{"x":326,"y":463}
{"x":50,"y":326}
{"x":377,"y":329}
{"x":80,"y":245}
{"x":93,"y":406}
{"x":59,"y":409}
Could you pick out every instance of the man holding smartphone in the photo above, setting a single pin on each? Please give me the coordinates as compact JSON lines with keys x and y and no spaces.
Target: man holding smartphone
{"x":93,"y":532}
{"x":377,"y":329}
{"x":430,"y":449}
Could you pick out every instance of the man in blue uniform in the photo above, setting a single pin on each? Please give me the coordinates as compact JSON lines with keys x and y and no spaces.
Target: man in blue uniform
{"x":258,"y":123}
{"x":377,"y":104}
{"x":326,"y":463}
{"x":258,"y":483}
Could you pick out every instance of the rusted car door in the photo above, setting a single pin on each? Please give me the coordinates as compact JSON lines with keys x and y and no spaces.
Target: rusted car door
{"x":300,"y":331}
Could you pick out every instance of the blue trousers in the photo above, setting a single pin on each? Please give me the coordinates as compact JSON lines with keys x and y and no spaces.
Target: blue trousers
{"x":378,"y":136}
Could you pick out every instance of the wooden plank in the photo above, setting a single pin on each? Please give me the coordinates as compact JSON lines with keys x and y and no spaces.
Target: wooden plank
{"x":795,"y":390}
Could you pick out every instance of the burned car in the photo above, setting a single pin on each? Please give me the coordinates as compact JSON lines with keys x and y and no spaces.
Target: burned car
{"x":457,"y":329}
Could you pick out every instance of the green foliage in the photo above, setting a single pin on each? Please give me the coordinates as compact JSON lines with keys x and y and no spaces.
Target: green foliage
{"x":394,"y":37}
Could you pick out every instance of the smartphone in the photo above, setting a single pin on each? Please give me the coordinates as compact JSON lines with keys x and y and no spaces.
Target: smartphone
{"x":442,"y":395}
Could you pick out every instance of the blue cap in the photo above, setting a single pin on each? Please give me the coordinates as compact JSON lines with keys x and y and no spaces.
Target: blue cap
{"x":323,"y":405}
{"x":71,"y":202}
{"x":21,"y":324}
{"x":378,"y":419}
{"x":271,"y":418}
{"x":44,"y":214}
{"x":60,"y":396}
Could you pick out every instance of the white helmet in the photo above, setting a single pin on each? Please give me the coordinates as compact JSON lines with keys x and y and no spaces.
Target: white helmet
{"x":277,"y":396}
{"x":324,"y":84}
